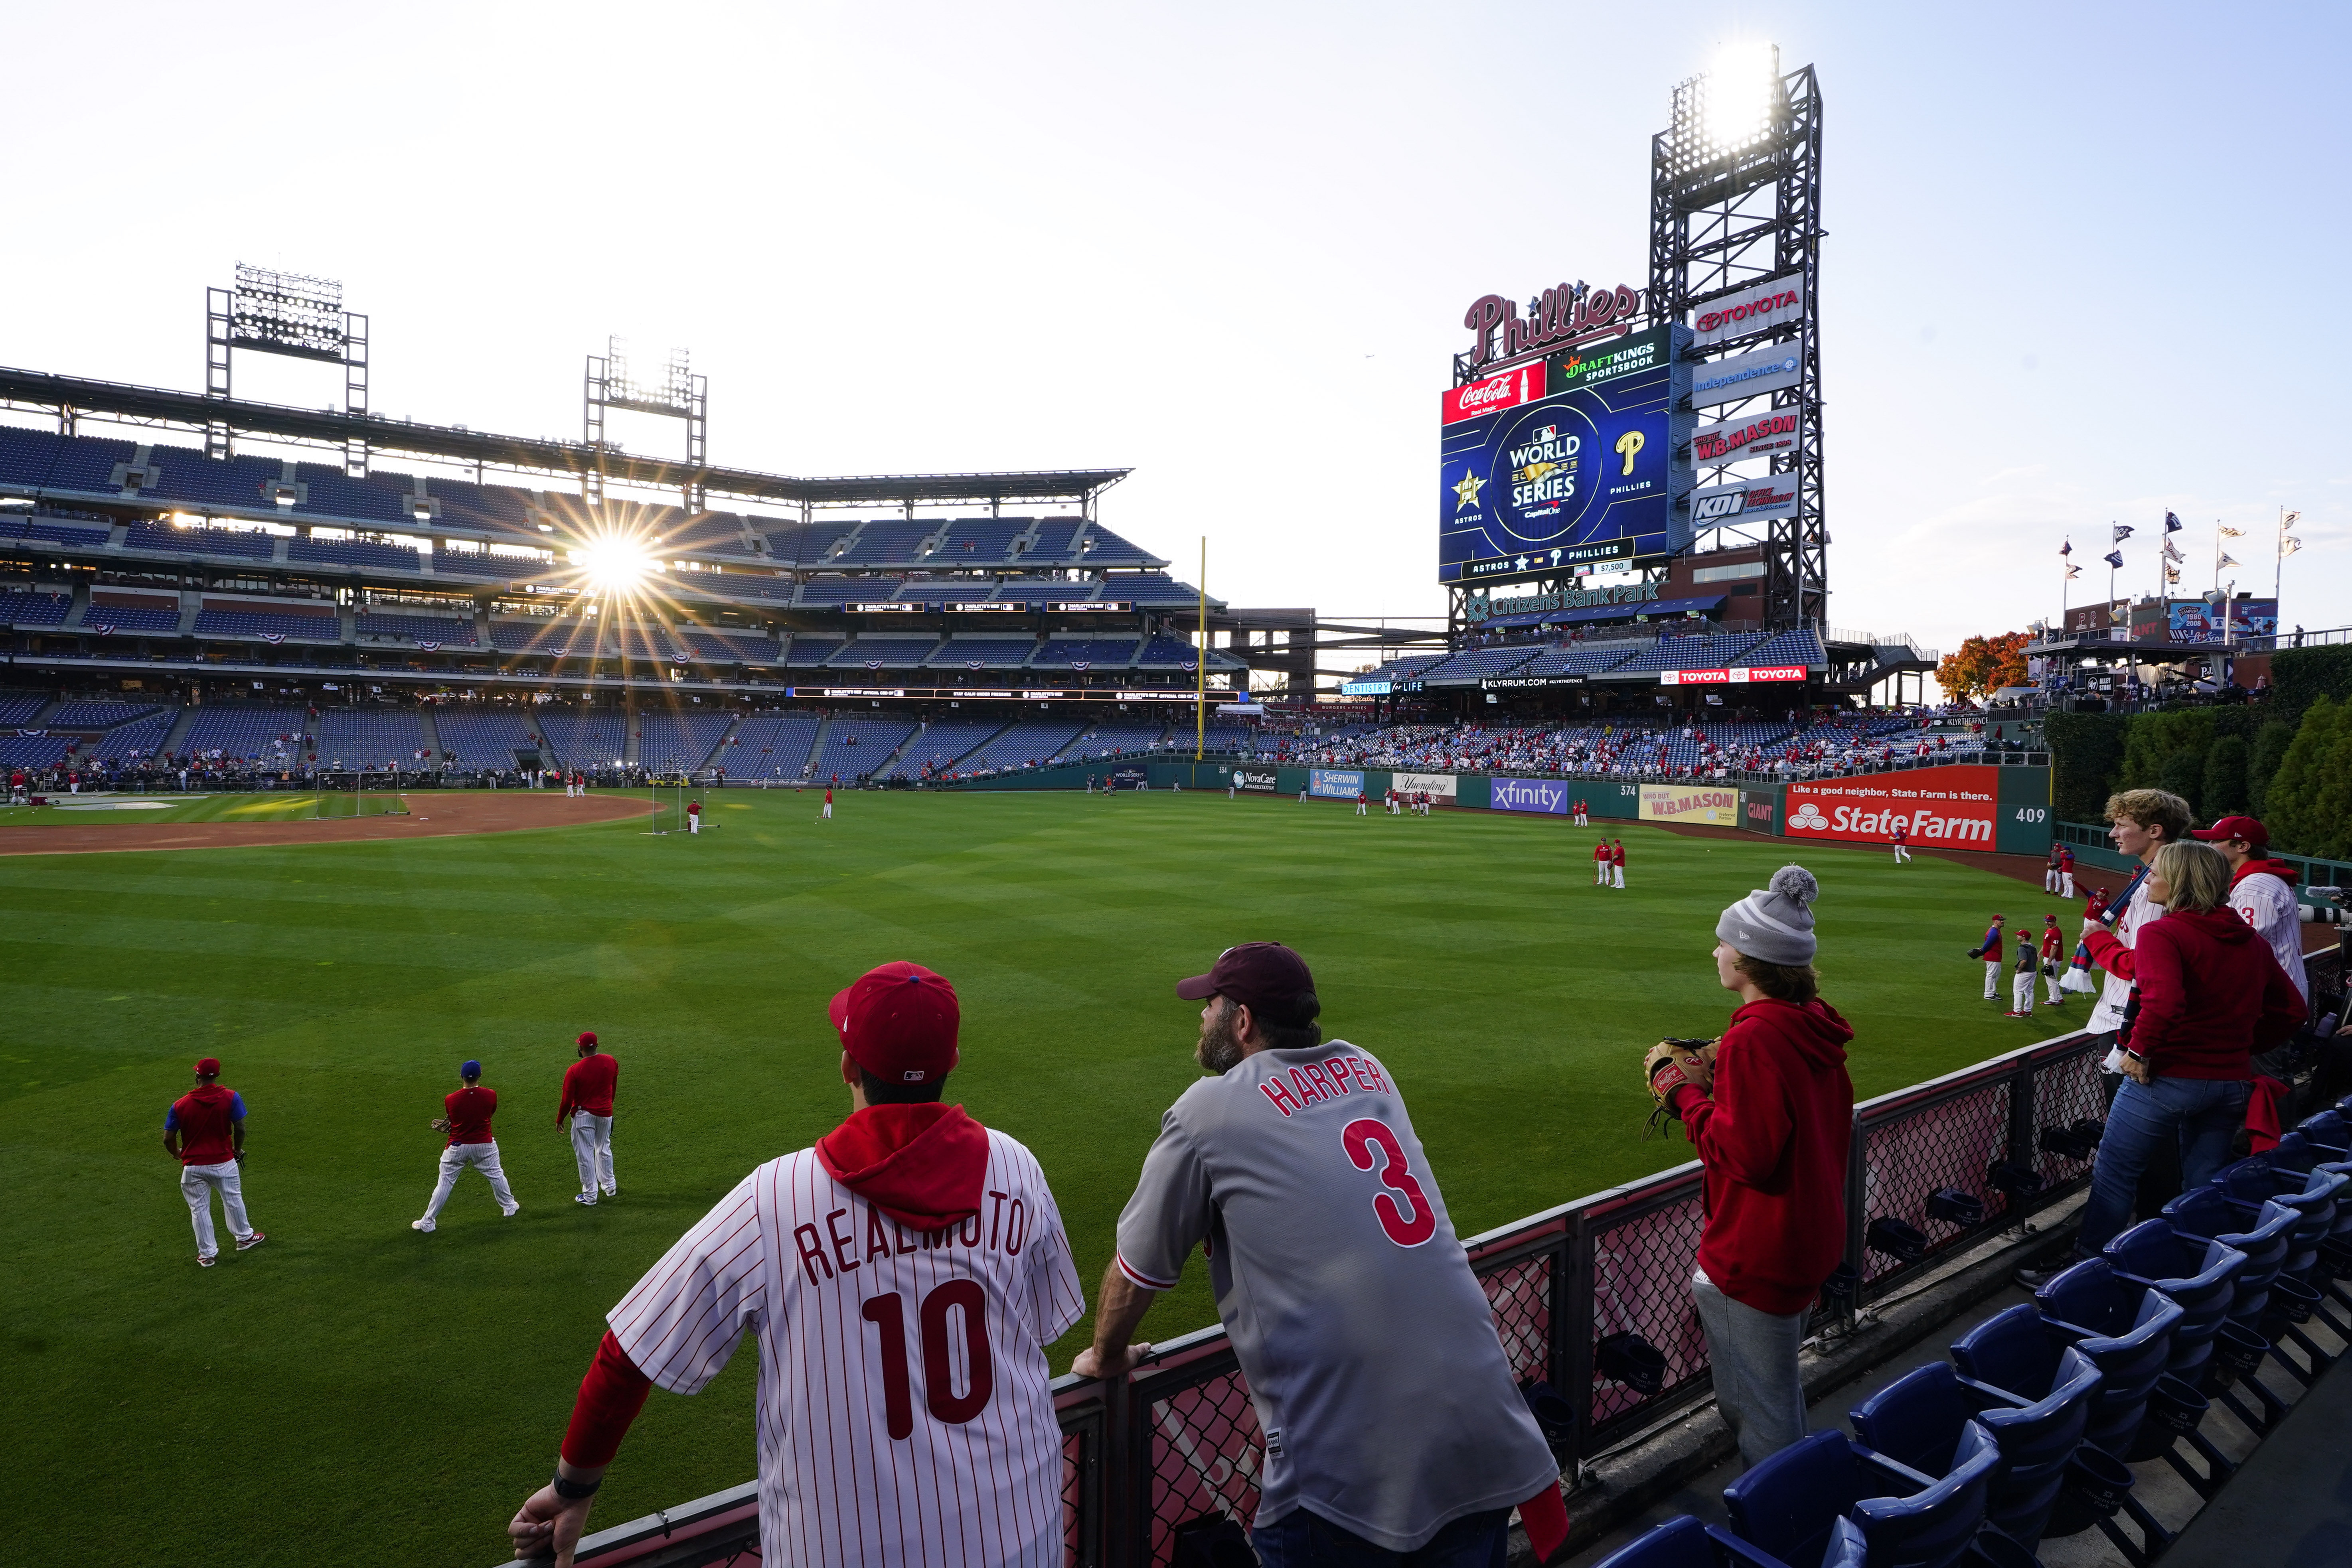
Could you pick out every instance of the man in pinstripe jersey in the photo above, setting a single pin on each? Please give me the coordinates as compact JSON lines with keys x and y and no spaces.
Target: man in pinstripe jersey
{"x":902,"y":1279}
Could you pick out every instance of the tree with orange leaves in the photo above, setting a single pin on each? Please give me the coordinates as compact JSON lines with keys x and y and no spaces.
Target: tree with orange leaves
{"x":1982,"y":665}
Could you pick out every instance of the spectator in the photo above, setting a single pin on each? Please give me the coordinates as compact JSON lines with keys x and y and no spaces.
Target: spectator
{"x":2209,"y":995}
{"x":1771,"y":1125}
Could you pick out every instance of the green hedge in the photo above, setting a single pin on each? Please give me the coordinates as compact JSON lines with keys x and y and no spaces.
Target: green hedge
{"x":2087,"y":759}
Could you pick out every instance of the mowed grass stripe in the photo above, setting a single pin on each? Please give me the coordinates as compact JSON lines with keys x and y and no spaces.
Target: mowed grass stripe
{"x":161,"y":1412}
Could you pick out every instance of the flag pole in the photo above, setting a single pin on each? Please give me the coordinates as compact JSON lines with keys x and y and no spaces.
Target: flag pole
{"x":1201,"y":672}
{"x":2278,"y":561}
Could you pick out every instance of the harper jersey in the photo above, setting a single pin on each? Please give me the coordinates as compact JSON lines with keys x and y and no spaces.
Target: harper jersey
{"x":906,"y":1411}
{"x":1385,"y":1401}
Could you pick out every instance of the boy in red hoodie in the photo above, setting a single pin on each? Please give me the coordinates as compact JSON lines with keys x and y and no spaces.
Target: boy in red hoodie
{"x":1772,"y":1128}
{"x":902,"y":1277}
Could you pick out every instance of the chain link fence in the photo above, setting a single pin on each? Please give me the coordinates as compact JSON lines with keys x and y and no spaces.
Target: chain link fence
{"x":1591,"y":1298}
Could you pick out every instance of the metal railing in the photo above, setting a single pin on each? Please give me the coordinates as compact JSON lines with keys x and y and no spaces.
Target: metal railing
{"x":1582,"y":1295}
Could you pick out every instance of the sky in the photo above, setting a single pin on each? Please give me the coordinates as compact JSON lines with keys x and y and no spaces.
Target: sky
{"x":2080,"y":267}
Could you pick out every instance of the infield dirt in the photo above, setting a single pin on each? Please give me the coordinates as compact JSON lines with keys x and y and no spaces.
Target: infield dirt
{"x":432,"y":814}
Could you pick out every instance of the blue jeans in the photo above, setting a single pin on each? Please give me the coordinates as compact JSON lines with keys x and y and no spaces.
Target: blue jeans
{"x":1303,"y":1540}
{"x":2202,"y":1113}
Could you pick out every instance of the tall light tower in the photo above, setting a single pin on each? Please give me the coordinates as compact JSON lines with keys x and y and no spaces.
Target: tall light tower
{"x":1735,"y":251}
{"x":681,"y":395}
{"x":289,"y":314}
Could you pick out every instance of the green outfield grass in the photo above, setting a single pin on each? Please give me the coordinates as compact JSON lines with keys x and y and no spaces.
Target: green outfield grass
{"x":355,"y":1393}
{"x":115,"y":810}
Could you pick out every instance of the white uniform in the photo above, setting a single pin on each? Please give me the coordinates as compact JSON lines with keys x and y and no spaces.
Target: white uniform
{"x":2138,"y":910}
{"x":2266,"y":903}
{"x":455,"y":1159}
{"x":906,"y":1411}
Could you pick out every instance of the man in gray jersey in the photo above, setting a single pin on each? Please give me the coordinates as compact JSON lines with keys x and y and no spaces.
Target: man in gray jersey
{"x":1393,"y":1429}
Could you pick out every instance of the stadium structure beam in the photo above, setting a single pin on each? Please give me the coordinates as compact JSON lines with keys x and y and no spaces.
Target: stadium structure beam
{"x":85,"y":399}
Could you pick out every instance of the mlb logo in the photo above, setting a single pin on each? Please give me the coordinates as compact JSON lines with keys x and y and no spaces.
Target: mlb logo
{"x":1549,"y":432}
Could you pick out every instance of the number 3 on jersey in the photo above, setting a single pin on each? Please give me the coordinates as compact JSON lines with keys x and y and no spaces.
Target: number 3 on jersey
{"x":1359,"y":1136}
{"x":888,"y":1314}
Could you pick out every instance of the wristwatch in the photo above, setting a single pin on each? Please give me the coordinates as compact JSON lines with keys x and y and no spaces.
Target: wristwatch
{"x":572,"y":1492}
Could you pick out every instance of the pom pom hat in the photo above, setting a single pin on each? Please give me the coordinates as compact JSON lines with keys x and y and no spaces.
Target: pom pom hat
{"x":898,"y":1022}
{"x":1774,"y":924}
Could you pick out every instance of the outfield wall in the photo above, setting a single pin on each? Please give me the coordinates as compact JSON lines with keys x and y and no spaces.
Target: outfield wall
{"x":2000,"y":808}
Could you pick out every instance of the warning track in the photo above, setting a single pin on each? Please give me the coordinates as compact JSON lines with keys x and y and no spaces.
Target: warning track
{"x":432,"y":814}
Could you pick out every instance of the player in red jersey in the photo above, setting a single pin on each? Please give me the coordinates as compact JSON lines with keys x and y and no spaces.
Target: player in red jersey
{"x":902,"y":1279}
{"x":1902,"y":837}
{"x":586,"y":1109}
{"x":2053,"y":957}
{"x":1600,"y":863}
{"x":827,"y":815}
{"x":2066,"y":870}
{"x":694,"y":816}
{"x":465,"y":1117}
{"x":1617,"y":862}
{"x":205,"y":1131}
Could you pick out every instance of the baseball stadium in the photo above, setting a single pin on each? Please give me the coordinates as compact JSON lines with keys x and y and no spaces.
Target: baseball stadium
{"x":380,"y":773}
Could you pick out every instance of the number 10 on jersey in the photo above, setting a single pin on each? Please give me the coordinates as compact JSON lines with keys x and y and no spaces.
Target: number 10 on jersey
{"x":887,"y":1314}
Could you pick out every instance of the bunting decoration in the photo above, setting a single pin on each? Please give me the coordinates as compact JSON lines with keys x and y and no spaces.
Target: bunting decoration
{"x":104,"y":628}
{"x":273,"y":638}
{"x":430,"y":647}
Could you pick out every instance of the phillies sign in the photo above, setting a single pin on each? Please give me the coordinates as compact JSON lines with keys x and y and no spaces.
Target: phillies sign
{"x":1950,"y":806}
{"x":1562,"y":317}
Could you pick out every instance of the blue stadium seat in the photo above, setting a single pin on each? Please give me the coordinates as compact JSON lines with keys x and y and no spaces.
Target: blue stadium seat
{"x":2199,"y":1273}
{"x":1790,"y":1505}
{"x":1919,"y":1419}
{"x":1685,"y":1543}
{"x":2124,"y":1330}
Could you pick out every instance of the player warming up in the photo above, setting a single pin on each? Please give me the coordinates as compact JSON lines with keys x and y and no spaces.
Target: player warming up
{"x":1600,"y":863}
{"x":1392,"y":1425}
{"x":1902,"y":841}
{"x":2020,"y":985}
{"x":1617,"y":862}
{"x":902,"y":1277}
{"x":205,"y":1131}
{"x":1990,"y":951}
{"x":466,"y":1120}
{"x":2054,"y":958}
{"x":827,"y":815}
{"x":586,"y":1109}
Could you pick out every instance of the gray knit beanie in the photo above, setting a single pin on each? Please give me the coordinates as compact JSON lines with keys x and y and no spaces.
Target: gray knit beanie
{"x":1775,"y":924}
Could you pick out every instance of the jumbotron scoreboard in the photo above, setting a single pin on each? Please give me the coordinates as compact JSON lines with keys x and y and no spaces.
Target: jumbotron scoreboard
{"x":1574,"y":458}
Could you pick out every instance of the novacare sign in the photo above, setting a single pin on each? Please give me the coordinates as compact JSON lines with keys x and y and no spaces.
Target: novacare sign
{"x":1546,"y":795}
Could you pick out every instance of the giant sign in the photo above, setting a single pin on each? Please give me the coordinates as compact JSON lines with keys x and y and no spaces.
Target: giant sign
{"x":1951,"y":807}
{"x":1745,"y":375}
{"x":1546,"y":795}
{"x":1580,"y":465}
{"x":1717,"y":805}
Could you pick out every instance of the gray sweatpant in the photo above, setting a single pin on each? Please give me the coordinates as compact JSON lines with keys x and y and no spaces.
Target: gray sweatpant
{"x":1754,"y":1357}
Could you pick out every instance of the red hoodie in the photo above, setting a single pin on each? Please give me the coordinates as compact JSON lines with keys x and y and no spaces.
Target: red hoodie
{"x":2210,"y":995}
{"x":1773,"y":1137}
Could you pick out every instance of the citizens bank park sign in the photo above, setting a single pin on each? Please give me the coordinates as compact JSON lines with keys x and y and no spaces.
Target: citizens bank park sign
{"x":1953,"y":807}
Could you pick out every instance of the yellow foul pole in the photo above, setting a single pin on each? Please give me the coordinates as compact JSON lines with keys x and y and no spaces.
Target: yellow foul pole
{"x":1201,"y":669}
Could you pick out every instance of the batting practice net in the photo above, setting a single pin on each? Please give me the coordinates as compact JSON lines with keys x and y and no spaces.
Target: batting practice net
{"x":1591,"y":1300}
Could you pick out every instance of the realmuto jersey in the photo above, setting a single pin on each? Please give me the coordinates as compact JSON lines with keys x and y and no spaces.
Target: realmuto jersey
{"x":1382,"y":1392}
{"x":906,"y":1415}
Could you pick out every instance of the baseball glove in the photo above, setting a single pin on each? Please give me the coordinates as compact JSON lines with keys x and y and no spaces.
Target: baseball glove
{"x":1668,"y":1065}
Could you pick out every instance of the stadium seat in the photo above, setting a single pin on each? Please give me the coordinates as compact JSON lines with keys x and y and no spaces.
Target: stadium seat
{"x":2199,"y":1273}
{"x":1790,"y":1505}
{"x":1919,"y":1419}
{"x":1685,"y":1543}
{"x":2124,"y":1330}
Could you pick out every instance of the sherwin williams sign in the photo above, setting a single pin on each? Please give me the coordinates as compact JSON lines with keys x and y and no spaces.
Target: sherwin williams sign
{"x":1546,"y":795}
{"x":1716,"y":805}
{"x":1335,"y":784}
{"x":1953,"y":807}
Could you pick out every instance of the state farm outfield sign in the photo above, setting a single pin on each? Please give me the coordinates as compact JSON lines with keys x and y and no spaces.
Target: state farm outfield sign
{"x":1946,"y":808}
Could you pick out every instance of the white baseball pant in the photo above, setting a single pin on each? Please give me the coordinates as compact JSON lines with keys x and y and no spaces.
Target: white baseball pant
{"x":197,"y":1185}
{"x":483,"y":1158}
{"x":2068,"y":879}
{"x":1617,"y":872}
{"x":1600,"y":874}
{"x":2020,"y":992}
{"x":591,"y":1146}
{"x":1901,"y":854}
{"x":2051,"y":975}
{"x":1992,"y":979}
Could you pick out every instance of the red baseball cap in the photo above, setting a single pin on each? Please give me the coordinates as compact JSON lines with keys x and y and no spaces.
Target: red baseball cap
{"x":209,"y":1066}
{"x":1266,"y":978}
{"x":2227,"y":828}
{"x":587,"y":1037}
{"x":898,"y":1022}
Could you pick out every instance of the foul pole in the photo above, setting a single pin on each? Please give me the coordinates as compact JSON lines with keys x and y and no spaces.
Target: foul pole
{"x":1201,"y":670}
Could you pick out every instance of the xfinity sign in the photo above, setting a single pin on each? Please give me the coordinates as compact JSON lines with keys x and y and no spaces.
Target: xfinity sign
{"x":1545,"y":795}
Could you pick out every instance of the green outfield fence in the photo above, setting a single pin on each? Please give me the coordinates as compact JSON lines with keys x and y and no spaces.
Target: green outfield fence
{"x":1584,"y":1295}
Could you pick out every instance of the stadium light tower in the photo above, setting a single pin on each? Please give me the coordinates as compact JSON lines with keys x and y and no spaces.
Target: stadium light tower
{"x":681,"y":395}
{"x":289,"y":314}
{"x":1735,"y":251}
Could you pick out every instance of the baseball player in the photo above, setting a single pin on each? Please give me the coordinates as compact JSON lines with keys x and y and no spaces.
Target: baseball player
{"x":2261,"y":892}
{"x":827,"y":815}
{"x":2021,"y":986}
{"x":1600,"y":863}
{"x":2050,"y":882}
{"x":1580,"y":816}
{"x":1990,"y":951}
{"x":587,"y":1109}
{"x":1617,"y":862}
{"x":1360,"y":804}
{"x":205,"y":1131}
{"x":1901,"y":838}
{"x":1390,"y":1418}
{"x":694,"y":816}
{"x":903,"y":1278}
{"x":467,"y":1119}
{"x":2053,"y":956}
{"x":2066,"y":870}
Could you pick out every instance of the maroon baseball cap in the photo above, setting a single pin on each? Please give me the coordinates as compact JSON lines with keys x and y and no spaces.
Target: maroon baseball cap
{"x":1266,"y":978}
{"x":209,"y":1066}
{"x":587,"y":1037}
{"x":898,"y":1022}
{"x":2221,"y":832}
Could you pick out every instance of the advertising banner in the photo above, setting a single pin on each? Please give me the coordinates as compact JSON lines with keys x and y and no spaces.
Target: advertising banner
{"x":1129,"y":778}
{"x":1757,"y":435}
{"x":1438,"y":787}
{"x":1953,"y":807}
{"x":1752,"y":309}
{"x":1745,"y":375}
{"x":1334,"y":783}
{"x":1745,"y":500}
{"x":2195,"y":620}
{"x":1760,"y":809}
{"x":1738,"y":676}
{"x":1582,"y":466}
{"x":1549,"y":795}
{"x":1717,"y":805}
{"x":1257,"y":780}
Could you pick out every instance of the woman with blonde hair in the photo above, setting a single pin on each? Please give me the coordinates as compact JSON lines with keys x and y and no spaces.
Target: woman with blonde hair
{"x":2207,"y":994}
